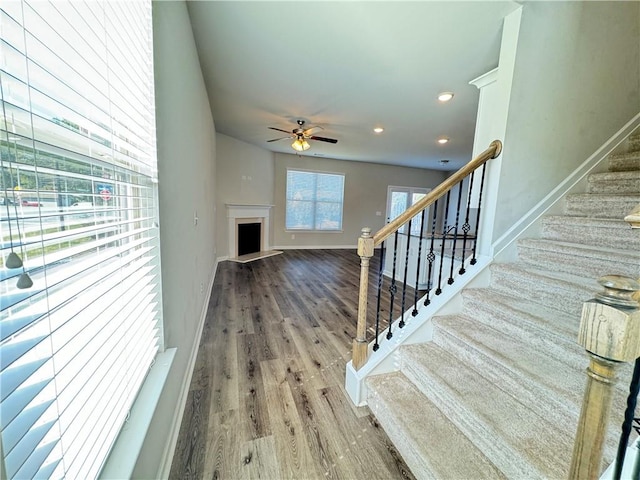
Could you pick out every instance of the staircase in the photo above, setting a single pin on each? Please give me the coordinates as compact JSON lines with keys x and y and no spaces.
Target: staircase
{"x":497,"y":393}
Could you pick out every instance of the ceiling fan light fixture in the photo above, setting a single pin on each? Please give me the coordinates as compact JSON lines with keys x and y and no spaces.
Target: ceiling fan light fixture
{"x":300,"y":145}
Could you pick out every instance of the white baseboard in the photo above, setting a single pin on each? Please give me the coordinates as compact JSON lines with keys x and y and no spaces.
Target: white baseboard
{"x":315,"y":247}
{"x":167,"y":456}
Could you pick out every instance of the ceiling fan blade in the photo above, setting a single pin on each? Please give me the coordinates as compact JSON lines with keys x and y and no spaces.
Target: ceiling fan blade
{"x":324,"y":139}
{"x":280,"y":130}
{"x":307,"y":132}
{"x":276,"y":139}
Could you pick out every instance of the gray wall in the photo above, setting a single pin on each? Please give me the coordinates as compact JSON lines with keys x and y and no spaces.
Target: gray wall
{"x":576,"y":82}
{"x":245,"y":175}
{"x":186,"y":163}
{"x":365,"y":193}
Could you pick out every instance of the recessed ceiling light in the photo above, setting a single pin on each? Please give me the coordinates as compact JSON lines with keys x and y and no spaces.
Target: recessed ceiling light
{"x":443,"y":140}
{"x":378,"y":130}
{"x":445,"y":96}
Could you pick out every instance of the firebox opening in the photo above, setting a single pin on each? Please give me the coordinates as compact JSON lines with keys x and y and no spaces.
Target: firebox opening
{"x":249,"y":236}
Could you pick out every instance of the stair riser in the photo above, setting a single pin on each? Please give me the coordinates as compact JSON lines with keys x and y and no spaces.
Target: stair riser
{"x":634,"y":143}
{"x":615,"y":187}
{"x":587,"y":206}
{"x":560,"y":261}
{"x":607,"y":237}
{"x":559,"y":342}
{"x":625,"y":162}
{"x":559,"y":295}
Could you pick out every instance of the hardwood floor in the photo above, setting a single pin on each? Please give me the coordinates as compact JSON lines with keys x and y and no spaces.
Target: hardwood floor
{"x":267,"y":396}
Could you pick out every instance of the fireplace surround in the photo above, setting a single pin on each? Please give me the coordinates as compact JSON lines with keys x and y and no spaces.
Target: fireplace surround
{"x":239,"y":214}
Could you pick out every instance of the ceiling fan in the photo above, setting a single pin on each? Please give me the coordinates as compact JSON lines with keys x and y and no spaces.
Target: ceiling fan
{"x":301,"y":135}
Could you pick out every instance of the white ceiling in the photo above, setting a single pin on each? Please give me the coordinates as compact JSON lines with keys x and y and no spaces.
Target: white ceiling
{"x":348,"y":67}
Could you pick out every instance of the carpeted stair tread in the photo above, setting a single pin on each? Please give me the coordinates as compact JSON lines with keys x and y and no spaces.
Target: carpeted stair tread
{"x":559,"y":290}
{"x":578,"y":259}
{"x":599,"y":232}
{"x":622,"y":162}
{"x":514,"y":438}
{"x":526,"y":357}
{"x":556,"y":330}
{"x":600,"y":205}
{"x":519,"y":316}
{"x":614,"y":182}
{"x":430,"y":444}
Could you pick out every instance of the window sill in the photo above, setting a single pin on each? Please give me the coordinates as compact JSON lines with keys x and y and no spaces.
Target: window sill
{"x":122,"y":459}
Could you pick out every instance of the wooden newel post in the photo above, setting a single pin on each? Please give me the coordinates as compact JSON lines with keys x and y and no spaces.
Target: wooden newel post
{"x":360,"y":345}
{"x":610,"y":332}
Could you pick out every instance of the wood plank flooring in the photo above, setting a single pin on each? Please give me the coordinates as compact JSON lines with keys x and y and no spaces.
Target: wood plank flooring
{"x":267,"y":397}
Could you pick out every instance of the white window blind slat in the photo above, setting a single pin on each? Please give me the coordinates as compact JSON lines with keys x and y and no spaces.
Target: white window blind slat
{"x":90,"y":465}
{"x":14,"y":351}
{"x":18,"y":400}
{"x":15,"y":431}
{"x":16,"y":459}
{"x":12,"y":325}
{"x":78,"y":172}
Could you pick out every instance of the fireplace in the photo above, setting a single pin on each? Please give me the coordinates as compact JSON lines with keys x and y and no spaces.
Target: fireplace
{"x":251,"y":220}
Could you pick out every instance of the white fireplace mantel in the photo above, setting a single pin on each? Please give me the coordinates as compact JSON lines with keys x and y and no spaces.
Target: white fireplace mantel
{"x":238,"y":213}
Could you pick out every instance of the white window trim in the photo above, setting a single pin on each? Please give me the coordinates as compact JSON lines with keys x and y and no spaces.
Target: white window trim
{"x":313,"y":230}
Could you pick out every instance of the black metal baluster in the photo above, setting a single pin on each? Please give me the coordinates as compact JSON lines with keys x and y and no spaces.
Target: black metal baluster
{"x":431,"y":256}
{"x":475,"y":243}
{"x":627,"y":425}
{"x":466,"y":227}
{"x":393,"y":288}
{"x":406,"y":269}
{"x":415,"y":293}
{"x":376,"y":345}
{"x":444,"y":231}
{"x":455,"y":233}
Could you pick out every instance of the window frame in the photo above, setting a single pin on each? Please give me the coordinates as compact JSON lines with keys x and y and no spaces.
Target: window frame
{"x":314,"y":202}
{"x":410,"y":191}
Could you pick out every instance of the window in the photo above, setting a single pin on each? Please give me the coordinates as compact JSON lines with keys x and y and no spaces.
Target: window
{"x":314,"y":200}
{"x":401,"y":198}
{"x":79,"y":209}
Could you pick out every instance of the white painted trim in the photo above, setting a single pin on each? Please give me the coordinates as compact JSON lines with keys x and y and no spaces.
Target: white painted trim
{"x":125,"y":451}
{"x":557,"y":194}
{"x":167,"y":455}
{"x":485,"y":79}
{"x":222,"y":259}
{"x":315,"y":247}
{"x":239,"y":213}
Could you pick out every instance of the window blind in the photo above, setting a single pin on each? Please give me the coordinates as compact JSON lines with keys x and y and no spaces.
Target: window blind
{"x":314,"y":200}
{"x":78,"y":205}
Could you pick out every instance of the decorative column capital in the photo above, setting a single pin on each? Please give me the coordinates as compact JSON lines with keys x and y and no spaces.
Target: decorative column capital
{"x":610,"y":323}
{"x":365,"y":243}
